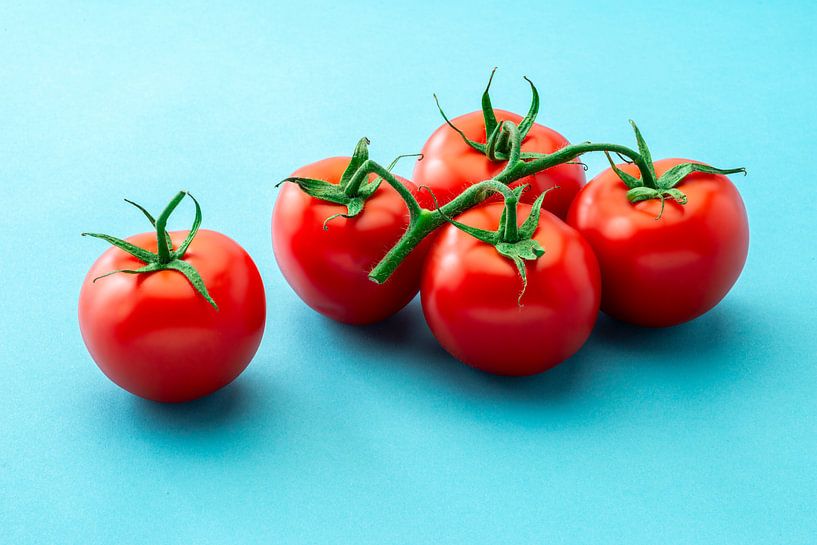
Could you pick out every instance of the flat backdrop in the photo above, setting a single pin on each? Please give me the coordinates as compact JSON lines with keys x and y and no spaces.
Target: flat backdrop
{"x":704,"y":433}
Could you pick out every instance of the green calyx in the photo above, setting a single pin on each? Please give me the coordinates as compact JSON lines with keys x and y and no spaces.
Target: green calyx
{"x":663,"y":187}
{"x":511,"y":240}
{"x":350,"y":192}
{"x":499,"y":141}
{"x":166,"y":257}
{"x":354,"y":187}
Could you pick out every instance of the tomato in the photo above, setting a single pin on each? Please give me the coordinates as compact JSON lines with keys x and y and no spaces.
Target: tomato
{"x":662,"y":272}
{"x":470,"y":296}
{"x":329,"y":268}
{"x":450,"y":165}
{"x":155,"y":336}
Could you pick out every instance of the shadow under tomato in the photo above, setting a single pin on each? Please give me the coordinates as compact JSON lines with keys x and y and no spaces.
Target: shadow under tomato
{"x":553,"y":385}
{"x":707,"y":345}
{"x":405,"y":340}
{"x":233,"y":421}
{"x":695,"y":343}
{"x":229,"y":406}
{"x":403,"y":332}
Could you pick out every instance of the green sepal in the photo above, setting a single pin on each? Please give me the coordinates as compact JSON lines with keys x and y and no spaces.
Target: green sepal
{"x":152,"y":221}
{"x":326,"y":191}
{"x":643,"y":149}
{"x":677,"y":173}
{"x":359,"y":156}
{"x":629,"y":180}
{"x":638,"y":194}
{"x":476,"y":145}
{"x":179,"y":253}
{"x":488,"y":109}
{"x":519,"y":252}
{"x":150,"y":267}
{"x":320,"y":189}
{"x":526,"y":249}
{"x":527,"y":122}
{"x":676,"y":194}
{"x":139,"y":253}
{"x":353,"y":208}
{"x":144,"y":211}
{"x":193,"y":276}
{"x":491,"y":150}
{"x":527,"y":229}
{"x":486,"y":236}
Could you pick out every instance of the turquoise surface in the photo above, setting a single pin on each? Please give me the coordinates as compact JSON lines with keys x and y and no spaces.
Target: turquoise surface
{"x":700,"y":434}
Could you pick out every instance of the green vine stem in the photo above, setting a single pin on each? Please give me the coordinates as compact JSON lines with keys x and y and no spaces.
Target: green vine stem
{"x":423,"y":221}
{"x":503,"y":143}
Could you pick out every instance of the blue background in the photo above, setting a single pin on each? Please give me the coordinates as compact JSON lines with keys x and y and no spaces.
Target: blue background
{"x":704,"y":433}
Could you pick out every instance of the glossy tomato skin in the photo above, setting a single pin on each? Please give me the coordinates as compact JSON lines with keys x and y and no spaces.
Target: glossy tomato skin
{"x":156,"y":337}
{"x":329,"y":269}
{"x":469,"y":294}
{"x":660,"y":273}
{"x":450,"y":165}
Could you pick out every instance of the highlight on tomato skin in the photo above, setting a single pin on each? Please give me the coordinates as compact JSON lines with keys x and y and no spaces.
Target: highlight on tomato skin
{"x":328,"y":268}
{"x":155,"y":336}
{"x":471,"y":296}
{"x":450,"y":165}
{"x":667,"y":270}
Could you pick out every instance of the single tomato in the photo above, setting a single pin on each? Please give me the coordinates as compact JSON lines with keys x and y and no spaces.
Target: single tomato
{"x":662,"y":271}
{"x":329,"y":267}
{"x":450,"y":165}
{"x":155,"y":334}
{"x":471,"y":295}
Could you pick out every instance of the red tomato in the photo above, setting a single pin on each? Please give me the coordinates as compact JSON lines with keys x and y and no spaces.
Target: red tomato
{"x":450,"y":165}
{"x":470,"y":296}
{"x":663,"y":272}
{"x":156,"y":337}
{"x":329,"y":269}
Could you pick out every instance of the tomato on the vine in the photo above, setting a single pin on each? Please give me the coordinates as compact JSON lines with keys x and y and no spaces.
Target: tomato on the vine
{"x":670,"y":257}
{"x":327,"y":261}
{"x":176,"y":325}
{"x":471,"y":299}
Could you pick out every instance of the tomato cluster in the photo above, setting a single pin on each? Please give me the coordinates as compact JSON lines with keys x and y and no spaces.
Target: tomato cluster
{"x":654,"y":252}
{"x":513,"y":255}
